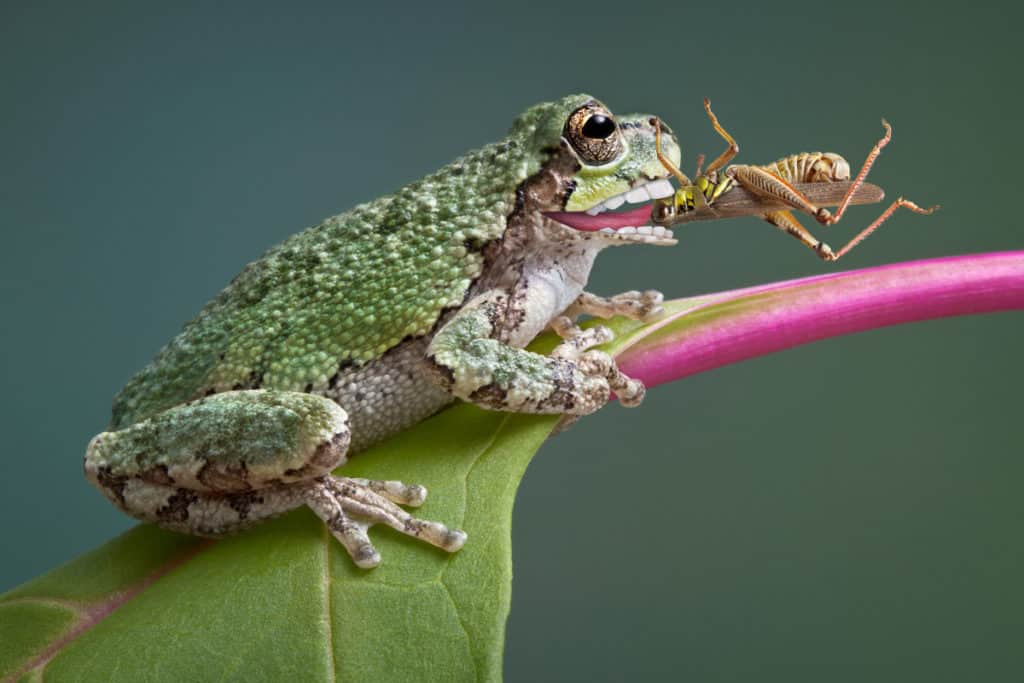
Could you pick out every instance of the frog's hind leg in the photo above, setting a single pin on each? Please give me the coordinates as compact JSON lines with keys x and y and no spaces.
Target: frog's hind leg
{"x":230,"y":460}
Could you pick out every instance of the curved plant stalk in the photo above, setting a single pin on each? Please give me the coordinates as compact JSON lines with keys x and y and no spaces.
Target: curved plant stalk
{"x":703,"y":333}
{"x":284,"y":602}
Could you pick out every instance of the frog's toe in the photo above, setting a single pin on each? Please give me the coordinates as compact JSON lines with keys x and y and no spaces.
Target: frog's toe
{"x":412,"y":495}
{"x":350,"y":533}
{"x":456,"y":539}
{"x":363,"y":502}
{"x":352,"y":536}
{"x":643,"y":306}
{"x":349,"y":506}
{"x":366,"y":557}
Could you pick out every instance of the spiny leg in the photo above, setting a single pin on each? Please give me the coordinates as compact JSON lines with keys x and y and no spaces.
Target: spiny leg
{"x":710,"y":187}
{"x":689,"y":196}
{"x":733,"y":149}
{"x":700,"y":164}
{"x":862,"y":235}
{"x":665,"y":161}
{"x":859,"y":180}
{"x":770,"y":185}
{"x":787,"y":222}
{"x":765,"y":183}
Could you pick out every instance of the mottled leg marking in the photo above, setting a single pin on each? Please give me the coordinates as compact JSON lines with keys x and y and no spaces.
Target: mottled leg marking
{"x":574,"y":344}
{"x":630,"y":392}
{"x":412,"y":495}
{"x":350,"y":506}
{"x":634,"y":304}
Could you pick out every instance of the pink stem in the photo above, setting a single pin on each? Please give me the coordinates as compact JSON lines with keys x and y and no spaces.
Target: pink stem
{"x":734,"y":326}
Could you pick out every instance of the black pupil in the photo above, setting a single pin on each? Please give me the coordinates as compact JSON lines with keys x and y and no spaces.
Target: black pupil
{"x":598,"y":126}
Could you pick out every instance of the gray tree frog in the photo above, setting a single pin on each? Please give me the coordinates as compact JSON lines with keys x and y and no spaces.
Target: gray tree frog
{"x":378,"y":317}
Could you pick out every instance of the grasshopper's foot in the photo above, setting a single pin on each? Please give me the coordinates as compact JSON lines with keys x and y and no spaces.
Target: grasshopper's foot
{"x":824,"y":252}
{"x":350,"y":506}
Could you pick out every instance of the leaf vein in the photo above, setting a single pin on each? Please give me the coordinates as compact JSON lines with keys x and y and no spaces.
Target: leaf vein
{"x":332,"y":656}
{"x":93,"y":614}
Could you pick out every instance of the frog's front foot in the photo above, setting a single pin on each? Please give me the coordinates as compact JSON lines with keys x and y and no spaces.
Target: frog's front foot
{"x":634,"y":304}
{"x":349,"y":506}
{"x":578,"y":347}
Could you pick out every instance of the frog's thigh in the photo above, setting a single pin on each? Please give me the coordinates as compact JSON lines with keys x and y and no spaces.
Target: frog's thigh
{"x":220,"y":463}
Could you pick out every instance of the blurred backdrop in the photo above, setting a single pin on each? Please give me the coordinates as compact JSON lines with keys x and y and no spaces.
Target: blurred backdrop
{"x":845,"y":511}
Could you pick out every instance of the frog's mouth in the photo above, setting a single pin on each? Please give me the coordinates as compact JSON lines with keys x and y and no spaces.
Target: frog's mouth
{"x":631,"y":224}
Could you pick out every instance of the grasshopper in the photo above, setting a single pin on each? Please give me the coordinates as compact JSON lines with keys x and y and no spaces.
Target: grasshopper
{"x":775,"y":184}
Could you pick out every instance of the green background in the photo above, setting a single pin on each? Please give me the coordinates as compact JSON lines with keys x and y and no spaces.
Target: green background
{"x":848,"y":510}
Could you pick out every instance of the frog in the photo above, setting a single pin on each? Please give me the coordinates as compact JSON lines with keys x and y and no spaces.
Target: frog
{"x":377,"y":318}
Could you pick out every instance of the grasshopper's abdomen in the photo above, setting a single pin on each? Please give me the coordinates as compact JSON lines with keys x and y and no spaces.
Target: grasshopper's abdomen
{"x":810,"y":167}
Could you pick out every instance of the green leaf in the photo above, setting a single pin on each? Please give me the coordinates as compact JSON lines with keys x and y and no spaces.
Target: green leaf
{"x":283,"y":601}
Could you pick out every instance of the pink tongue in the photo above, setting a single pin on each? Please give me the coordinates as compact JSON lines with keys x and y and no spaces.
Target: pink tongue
{"x":581,"y":220}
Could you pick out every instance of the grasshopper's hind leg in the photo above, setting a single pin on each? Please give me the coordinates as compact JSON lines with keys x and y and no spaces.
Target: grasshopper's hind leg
{"x":857,"y":182}
{"x":787,"y":222}
{"x":862,"y":235}
{"x":770,"y":185}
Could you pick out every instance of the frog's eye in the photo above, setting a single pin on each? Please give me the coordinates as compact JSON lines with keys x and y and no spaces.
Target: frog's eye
{"x":593,"y":133}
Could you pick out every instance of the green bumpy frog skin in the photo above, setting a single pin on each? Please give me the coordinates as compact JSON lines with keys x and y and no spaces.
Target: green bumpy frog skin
{"x":376,"y":318}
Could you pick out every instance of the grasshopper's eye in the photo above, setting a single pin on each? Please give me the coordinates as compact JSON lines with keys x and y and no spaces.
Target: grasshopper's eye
{"x":593,"y":133}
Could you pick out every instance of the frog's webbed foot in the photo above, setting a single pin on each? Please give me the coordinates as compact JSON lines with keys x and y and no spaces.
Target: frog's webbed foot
{"x":578,"y":346}
{"x":350,"y":506}
{"x":577,"y":342}
{"x":634,"y":304}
